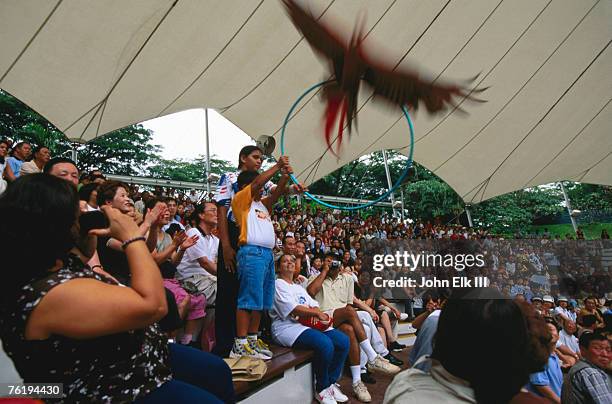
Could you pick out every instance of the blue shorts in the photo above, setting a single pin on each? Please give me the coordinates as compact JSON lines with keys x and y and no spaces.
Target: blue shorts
{"x":256,"y":277}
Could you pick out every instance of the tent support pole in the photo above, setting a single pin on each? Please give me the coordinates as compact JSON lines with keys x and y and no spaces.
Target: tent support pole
{"x":568,"y":206}
{"x":392,"y":196}
{"x":74,"y":154}
{"x":469,"y":215}
{"x":207,"y":155}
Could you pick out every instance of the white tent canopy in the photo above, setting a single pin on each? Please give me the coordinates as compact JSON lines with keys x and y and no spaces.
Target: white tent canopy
{"x":91,"y":67}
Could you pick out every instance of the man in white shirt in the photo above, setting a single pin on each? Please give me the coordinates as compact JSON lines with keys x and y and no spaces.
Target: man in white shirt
{"x":563,"y":310}
{"x":567,"y":337}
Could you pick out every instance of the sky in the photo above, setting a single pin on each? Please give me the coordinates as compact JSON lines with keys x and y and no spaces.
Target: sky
{"x":182,"y":135}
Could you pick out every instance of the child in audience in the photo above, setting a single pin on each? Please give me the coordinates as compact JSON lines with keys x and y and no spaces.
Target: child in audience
{"x":255,"y":258}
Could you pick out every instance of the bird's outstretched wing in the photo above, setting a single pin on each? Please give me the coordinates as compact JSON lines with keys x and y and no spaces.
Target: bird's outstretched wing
{"x":405,"y":87}
{"x":324,"y":40}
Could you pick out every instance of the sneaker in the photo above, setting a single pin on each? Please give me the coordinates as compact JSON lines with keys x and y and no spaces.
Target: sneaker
{"x":393,"y":360}
{"x":261,"y":348}
{"x":383,"y":366}
{"x":325,"y":397}
{"x":367,"y":378}
{"x":361,"y":392}
{"x":396,"y":346}
{"x":244,"y":350}
{"x":339,"y":396}
{"x":403,"y":317}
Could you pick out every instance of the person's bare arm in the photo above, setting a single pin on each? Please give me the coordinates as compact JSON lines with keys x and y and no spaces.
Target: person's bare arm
{"x":280,"y":189}
{"x":363,"y":306}
{"x":208,"y":265}
{"x":67,"y":309}
{"x":316,"y":285}
{"x":261,"y":180}
{"x":304,"y":311}
{"x":8,"y":173}
{"x":168,"y":252}
{"x":178,"y":255}
{"x":547,"y":392}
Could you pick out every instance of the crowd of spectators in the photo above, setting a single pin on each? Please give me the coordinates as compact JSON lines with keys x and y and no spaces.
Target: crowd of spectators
{"x":324,"y":275}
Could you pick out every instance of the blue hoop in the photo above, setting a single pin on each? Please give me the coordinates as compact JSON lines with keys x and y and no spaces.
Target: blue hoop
{"x":366,"y":205}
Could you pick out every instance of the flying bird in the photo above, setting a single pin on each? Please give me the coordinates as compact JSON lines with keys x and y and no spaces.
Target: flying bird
{"x":350,"y":65}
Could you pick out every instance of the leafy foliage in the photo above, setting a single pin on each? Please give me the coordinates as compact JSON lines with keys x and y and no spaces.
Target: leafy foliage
{"x":590,"y":197}
{"x":183,"y":170}
{"x":127,"y":151}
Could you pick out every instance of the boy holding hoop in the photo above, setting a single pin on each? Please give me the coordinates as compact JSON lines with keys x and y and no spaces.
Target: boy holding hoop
{"x":255,"y":259}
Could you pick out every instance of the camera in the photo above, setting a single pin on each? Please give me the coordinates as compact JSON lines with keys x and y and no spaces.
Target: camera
{"x":335,"y":264}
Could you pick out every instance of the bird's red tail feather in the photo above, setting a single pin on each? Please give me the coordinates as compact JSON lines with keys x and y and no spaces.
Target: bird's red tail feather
{"x":341,"y":125}
{"x":331,"y":112}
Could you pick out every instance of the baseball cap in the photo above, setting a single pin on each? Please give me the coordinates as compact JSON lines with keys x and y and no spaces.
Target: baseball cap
{"x":548,"y":298}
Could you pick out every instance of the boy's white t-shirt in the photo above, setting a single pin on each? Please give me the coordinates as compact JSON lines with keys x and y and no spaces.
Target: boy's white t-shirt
{"x":285,"y":329}
{"x":253,"y":219}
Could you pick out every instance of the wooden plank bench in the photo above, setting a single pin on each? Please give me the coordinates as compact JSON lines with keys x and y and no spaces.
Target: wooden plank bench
{"x":284,"y":359}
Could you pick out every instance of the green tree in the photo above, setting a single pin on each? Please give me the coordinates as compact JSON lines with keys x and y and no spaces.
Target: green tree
{"x":184,"y":170}
{"x":126,"y":151}
{"x":515,"y":211}
{"x":589,"y":196}
{"x":430,"y":198}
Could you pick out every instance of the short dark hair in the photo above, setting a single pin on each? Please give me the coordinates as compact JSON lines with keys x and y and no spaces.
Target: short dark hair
{"x":589,"y":320}
{"x":19,"y":145}
{"x":488,"y":320}
{"x":199,"y":209}
{"x":107,"y":191}
{"x":587,"y":337}
{"x":246,"y":177}
{"x":57,"y":160}
{"x":38,"y":211}
{"x":245,"y":152}
{"x":38,"y":148}
{"x":86,"y":191}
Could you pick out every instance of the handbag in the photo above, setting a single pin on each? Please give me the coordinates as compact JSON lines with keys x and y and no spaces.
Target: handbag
{"x":190,"y":287}
{"x":314,"y":322}
{"x":246,"y":369}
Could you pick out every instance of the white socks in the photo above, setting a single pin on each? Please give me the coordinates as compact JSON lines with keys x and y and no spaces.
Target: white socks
{"x":356,"y":374}
{"x":368,"y":350}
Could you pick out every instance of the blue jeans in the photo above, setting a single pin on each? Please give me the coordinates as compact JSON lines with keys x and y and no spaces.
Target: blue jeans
{"x":256,"y":276}
{"x":198,"y":377}
{"x":331,"y":349}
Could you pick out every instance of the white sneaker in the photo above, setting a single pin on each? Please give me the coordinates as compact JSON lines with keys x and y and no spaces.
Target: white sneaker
{"x":361,"y":392}
{"x":403,"y":316}
{"x":261,"y":348}
{"x":339,"y":396}
{"x":382,"y":366}
{"x":325,"y":397}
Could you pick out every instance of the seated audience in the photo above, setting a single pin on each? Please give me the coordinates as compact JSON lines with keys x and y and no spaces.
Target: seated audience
{"x":567,"y":336}
{"x":334,"y":292}
{"x":590,"y":309}
{"x":589,"y":381}
{"x":197,"y":270}
{"x":88,"y":196}
{"x":40,"y":157}
{"x":60,"y":322}
{"x":547,"y":383}
{"x":20,"y":154}
{"x":292,"y":303}
{"x":479,"y":322}
{"x":168,"y":253}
